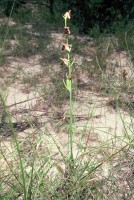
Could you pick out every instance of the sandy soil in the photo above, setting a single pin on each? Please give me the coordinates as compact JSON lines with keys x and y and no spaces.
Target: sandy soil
{"x":96,"y":124}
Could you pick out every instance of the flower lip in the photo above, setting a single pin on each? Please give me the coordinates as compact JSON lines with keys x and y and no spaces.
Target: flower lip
{"x":66,"y":30}
{"x":66,"y":47}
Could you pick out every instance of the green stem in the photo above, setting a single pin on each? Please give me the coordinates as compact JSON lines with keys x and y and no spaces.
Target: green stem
{"x":65,"y":23}
{"x":71,"y":127}
{"x":70,"y":113}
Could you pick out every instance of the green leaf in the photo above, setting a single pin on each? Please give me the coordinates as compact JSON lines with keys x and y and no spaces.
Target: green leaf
{"x":68,"y":84}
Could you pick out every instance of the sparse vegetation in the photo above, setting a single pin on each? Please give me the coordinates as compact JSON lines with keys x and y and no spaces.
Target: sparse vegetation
{"x":66,"y":131}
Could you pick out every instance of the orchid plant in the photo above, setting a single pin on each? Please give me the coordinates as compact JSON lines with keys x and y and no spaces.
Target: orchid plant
{"x":68,"y":62}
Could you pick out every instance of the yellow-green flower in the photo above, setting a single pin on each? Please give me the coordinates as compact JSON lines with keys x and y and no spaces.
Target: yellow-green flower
{"x":65,"y":61}
{"x":67,"y":15}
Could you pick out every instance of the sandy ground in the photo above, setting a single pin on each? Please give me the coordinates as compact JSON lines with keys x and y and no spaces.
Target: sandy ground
{"x":96,"y":125}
